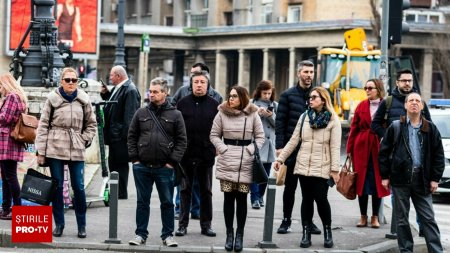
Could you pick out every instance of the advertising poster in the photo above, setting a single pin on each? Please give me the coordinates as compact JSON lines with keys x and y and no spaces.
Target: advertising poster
{"x":77,"y":23}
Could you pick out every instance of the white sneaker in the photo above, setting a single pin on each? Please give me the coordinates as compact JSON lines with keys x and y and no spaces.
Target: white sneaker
{"x":138,"y":240}
{"x":170,"y":242}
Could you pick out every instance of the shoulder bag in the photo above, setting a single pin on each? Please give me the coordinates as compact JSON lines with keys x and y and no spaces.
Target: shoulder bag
{"x":347,"y":182}
{"x":179,"y":170}
{"x":25,"y":129}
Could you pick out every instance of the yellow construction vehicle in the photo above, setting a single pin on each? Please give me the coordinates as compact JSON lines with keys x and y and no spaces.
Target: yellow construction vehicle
{"x":345,"y":71}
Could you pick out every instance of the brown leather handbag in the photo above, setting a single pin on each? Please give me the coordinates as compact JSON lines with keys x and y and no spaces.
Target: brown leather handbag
{"x":347,"y":180}
{"x":25,"y":129}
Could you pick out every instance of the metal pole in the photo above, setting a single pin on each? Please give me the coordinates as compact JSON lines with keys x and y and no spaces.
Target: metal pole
{"x":120,"y":48}
{"x":268,"y":217}
{"x":113,"y":207}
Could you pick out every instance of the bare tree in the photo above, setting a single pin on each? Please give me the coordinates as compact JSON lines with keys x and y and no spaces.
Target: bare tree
{"x":376,"y":22}
{"x":441,"y":56}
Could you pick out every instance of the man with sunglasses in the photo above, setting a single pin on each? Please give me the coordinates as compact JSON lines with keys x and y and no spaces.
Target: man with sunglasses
{"x":117,"y":121}
{"x":293,"y":103}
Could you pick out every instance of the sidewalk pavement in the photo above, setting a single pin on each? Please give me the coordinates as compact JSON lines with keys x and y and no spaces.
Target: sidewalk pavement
{"x":347,"y":237}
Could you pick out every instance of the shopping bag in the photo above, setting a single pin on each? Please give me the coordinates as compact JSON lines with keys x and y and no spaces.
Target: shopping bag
{"x":280,"y":175}
{"x":38,"y":188}
{"x":259,"y":172}
{"x":347,"y":180}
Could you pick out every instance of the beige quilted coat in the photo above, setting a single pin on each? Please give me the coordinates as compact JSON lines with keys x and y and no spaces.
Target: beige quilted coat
{"x":229,"y":124}
{"x":320,"y":149}
{"x":65,"y":140}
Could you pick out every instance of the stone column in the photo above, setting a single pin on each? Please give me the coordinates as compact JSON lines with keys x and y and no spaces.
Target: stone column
{"x":142,"y":74}
{"x":244,"y":69}
{"x":426,"y":74}
{"x":178,"y":13}
{"x":265,"y":63}
{"x":220,"y":83}
{"x":292,"y":68}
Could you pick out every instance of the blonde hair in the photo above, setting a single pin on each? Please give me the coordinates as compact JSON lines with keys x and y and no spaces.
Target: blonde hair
{"x":66,"y":70}
{"x":9,"y":83}
{"x":325,"y":96}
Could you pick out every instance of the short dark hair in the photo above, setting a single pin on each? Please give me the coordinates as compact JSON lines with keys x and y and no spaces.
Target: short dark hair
{"x":403,"y":71}
{"x":306,"y":63}
{"x":201,"y":65}
{"x":264,"y":85}
{"x":242,"y":93}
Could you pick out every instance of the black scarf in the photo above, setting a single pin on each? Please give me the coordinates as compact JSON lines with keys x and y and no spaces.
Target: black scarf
{"x":68,"y":97}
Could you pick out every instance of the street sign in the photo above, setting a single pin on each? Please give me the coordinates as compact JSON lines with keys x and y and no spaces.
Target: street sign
{"x":145,"y":45}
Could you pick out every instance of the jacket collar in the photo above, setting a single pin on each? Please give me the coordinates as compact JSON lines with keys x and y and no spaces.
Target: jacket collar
{"x":226,"y":109}
{"x":56,"y":99}
{"x":425,"y":124}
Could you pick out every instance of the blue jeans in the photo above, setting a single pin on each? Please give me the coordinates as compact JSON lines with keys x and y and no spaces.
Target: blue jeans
{"x":195,"y":202}
{"x":144,"y":177}
{"x":76,"y":169}
{"x":257,"y":190}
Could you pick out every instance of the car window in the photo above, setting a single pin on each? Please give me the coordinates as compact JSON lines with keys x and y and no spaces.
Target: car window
{"x":443,"y":124}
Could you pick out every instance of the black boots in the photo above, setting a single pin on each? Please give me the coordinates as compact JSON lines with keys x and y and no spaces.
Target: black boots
{"x":230,"y":240}
{"x":82,"y":232}
{"x":238,"y":243}
{"x":327,"y":237}
{"x":57,"y":232}
{"x":306,"y":239}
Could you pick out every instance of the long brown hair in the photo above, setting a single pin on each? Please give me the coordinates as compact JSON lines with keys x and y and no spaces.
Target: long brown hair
{"x":264,"y":85}
{"x":243,"y":95}
{"x":379,"y":86}
{"x":10,"y":84}
{"x":325,"y":97}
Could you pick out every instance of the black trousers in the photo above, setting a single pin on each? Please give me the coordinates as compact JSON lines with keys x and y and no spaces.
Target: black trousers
{"x":423,"y":203}
{"x":204,"y":176}
{"x":315,"y":189}
{"x":230,"y":198}
{"x":290,"y":186}
{"x":118,"y":161}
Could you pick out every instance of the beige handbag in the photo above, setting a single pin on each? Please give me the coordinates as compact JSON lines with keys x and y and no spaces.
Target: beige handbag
{"x":280,"y":175}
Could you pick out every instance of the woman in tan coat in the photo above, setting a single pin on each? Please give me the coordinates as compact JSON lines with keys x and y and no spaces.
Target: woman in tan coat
{"x":238,"y":124}
{"x":317,"y":159}
{"x":66,"y":127}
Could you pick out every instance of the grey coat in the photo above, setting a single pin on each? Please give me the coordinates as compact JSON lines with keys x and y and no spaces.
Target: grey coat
{"x":234,"y":163}
{"x":267,"y":151}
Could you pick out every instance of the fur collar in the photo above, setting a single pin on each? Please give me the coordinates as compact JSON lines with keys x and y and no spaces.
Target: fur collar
{"x":56,"y":99}
{"x":226,"y":109}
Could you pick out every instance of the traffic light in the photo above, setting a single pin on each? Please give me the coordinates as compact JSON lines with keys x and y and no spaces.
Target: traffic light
{"x":396,"y":24}
{"x":81,"y":71}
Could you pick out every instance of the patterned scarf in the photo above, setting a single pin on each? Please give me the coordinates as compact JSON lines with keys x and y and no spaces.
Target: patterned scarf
{"x":318,"y":119}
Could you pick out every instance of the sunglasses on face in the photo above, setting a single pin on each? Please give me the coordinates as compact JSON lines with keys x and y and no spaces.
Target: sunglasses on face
{"x":313,"y":97}
{"x":369,"y":88}
{"x":233,"y":96}
{"x":70,"y":80}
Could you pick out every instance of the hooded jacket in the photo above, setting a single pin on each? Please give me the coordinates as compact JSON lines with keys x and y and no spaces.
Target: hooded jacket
{"x":234,"y":163}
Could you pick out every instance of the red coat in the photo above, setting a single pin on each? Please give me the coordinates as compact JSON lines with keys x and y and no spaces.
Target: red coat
{"x":361,"y":143}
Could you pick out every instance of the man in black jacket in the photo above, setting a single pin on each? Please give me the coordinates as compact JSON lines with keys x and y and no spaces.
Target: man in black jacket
{"x":117,"y":121}
{"x":155,"y":153}
{"x":412,"y":161}
{"x":198,"y":110}
{"x":293,"y":102}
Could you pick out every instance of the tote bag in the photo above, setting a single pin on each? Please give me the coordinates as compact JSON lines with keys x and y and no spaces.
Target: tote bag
{"x":347,"y":182}
{"x":38,"y":188}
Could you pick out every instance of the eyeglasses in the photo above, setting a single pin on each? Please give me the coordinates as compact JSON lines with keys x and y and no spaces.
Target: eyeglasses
{"x":233,"y":96}
{"x":405,"y":80}
{"x":313,"y":97}
{"x":69,"y":80}
{"x":369,"y":88}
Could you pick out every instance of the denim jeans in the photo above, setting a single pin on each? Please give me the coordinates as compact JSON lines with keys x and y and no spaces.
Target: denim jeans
{"x":76,"y":169}
{"x":10,"y":186}
{"x":144,"y":178}
{"x":257,"y":190}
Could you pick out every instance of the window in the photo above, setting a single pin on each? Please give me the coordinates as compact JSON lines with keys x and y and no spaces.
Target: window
{"x":168,"y":21}
{"x":131,"y":8}
{"x":205,"y":4}
{"x":420,"y":16}
{"x":228,"y":18}
{"x":146,"y":8}
{"x":266,"y":14}
{"x":187,"y":4}
{"x":294,"y":13}
{"x":200,"y":20}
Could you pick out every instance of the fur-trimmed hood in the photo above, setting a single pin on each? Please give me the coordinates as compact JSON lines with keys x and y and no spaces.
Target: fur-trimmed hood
{"x":56,"y":98}
{"x":226,"y":109}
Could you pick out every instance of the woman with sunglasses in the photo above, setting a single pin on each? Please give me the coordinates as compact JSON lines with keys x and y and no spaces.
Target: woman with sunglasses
{"x":362,"y":146}
{"x":317,"y":160}
{"x":66,"y":127}
{"x":235,"y":127}
{"x":11,"y":151}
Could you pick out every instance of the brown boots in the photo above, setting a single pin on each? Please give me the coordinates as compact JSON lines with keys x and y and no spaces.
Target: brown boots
{"x":373,"y":222}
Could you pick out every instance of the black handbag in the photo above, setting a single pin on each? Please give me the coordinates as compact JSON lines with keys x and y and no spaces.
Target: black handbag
{"x":38,"y":188}
{"x":259,"y":172}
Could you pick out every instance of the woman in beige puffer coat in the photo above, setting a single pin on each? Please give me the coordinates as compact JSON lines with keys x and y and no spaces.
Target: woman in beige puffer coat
{"x":317,"y":160}
{"x":238,"y":124}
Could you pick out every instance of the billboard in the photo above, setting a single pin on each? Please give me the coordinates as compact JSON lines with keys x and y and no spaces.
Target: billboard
{"x":77,"y":22}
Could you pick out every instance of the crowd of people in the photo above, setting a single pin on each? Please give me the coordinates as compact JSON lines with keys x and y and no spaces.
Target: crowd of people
{"x":394,"y":146}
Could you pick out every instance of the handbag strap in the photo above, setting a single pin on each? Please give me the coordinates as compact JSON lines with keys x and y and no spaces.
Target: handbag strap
{"x":161,"y":129}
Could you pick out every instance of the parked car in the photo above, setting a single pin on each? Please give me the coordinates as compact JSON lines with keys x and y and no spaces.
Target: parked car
{"x":440,"y":115}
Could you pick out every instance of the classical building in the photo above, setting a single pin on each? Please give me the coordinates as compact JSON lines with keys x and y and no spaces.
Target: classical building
{"x":244,"y":41}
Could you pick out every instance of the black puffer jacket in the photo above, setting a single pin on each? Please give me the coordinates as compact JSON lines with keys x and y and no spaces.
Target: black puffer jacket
{"x":198,"y":114}
{"x":397,"y":109}
{"x":293,"y":102}
{"x":148,"y":145}
{"x":399,"y":168}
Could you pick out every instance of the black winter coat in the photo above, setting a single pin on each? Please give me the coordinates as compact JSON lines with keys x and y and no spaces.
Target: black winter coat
{"x":399,"y":169}
{"x":293,"y":102}
{"x":198,"y":114}
{"x":397,"y":109}
{"x":148,"y":145}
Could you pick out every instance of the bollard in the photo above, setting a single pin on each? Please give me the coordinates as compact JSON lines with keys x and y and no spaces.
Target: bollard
{"x":393,"y":232}
{"x":268,"y":217}
{"x":113,"y":207}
